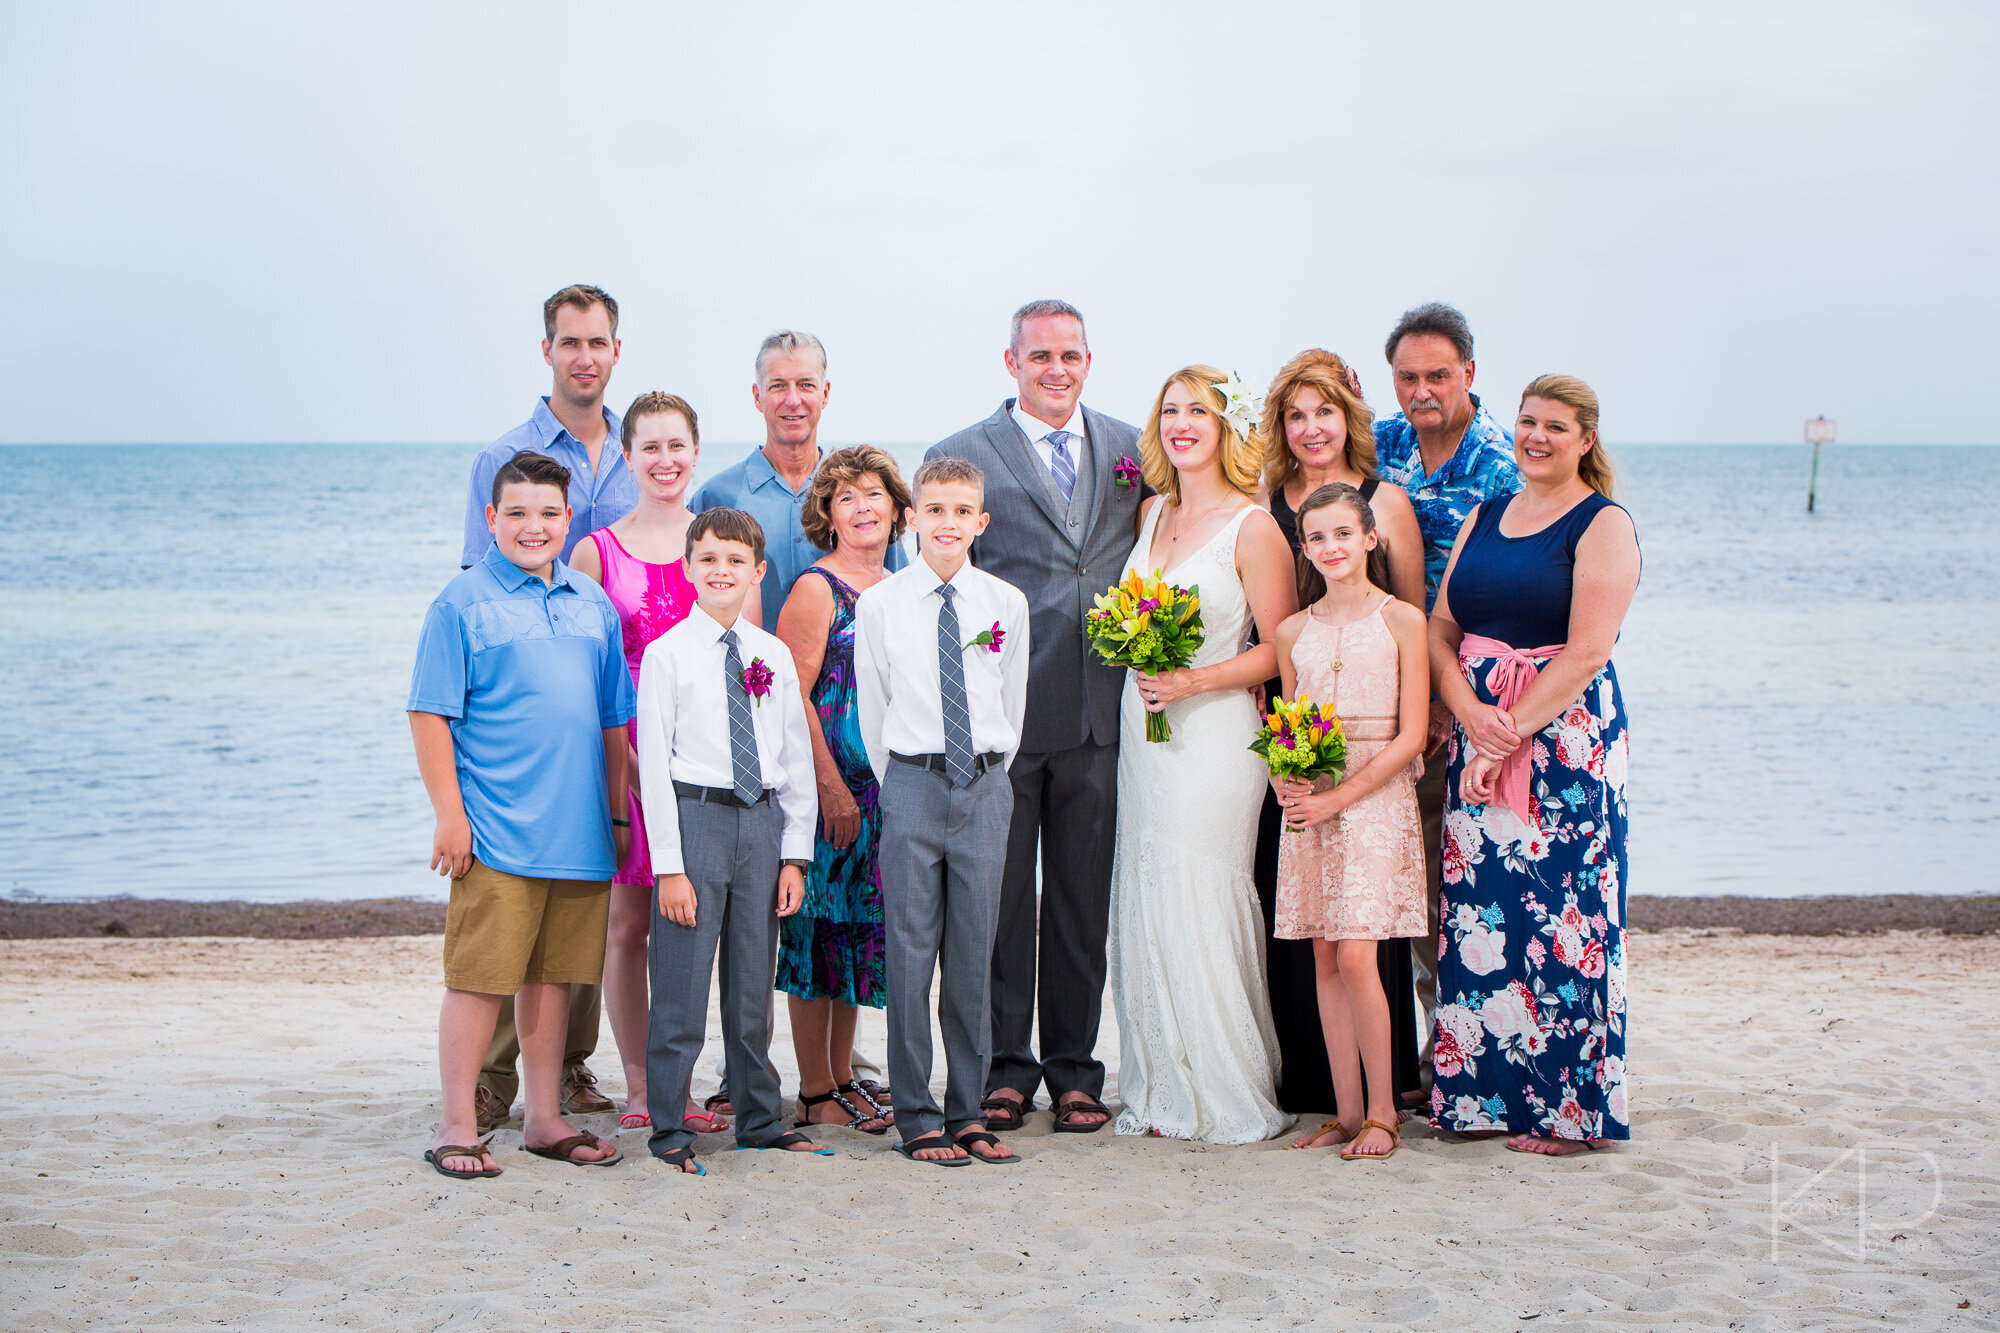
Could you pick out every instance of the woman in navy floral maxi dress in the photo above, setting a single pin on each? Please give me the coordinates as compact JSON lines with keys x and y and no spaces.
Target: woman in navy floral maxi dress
{"x":1531,"y":956}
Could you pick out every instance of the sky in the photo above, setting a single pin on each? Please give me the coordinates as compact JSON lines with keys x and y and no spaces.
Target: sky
{"x":335,"y":223}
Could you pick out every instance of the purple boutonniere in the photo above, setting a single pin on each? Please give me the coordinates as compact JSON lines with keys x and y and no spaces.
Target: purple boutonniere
{"x":989,"y":638}
{"x":1126,"y":474}
{"x":757,"y":679}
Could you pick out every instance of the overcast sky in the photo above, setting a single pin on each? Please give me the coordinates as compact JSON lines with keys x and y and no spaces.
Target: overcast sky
{"x":267,"y":222}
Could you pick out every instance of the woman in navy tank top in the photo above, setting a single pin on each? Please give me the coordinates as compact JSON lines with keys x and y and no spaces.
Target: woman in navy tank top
{"x":1531,"y":962}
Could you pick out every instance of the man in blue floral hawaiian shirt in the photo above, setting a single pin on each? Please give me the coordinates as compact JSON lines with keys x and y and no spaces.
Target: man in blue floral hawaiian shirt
{"x":1449,"y":455}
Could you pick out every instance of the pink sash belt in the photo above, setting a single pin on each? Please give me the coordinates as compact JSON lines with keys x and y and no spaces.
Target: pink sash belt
{"x":1513,"y":670}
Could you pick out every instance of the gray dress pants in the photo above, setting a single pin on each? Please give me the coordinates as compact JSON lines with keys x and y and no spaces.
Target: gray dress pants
{"x":731,"y":857}
{"x":941,"y":855}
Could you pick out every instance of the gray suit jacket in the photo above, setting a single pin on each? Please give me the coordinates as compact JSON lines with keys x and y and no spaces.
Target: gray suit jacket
{"x":1060,"y":557}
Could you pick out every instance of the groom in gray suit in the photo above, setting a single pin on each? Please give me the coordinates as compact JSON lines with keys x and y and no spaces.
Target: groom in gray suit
{"x":1063,"y":489}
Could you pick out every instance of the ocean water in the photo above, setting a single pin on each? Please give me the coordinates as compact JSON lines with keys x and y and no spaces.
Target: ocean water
{"x":205,"y":652}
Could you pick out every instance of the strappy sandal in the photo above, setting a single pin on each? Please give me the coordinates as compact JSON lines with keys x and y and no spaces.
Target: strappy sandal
{"x":873,"y":1091}
{"x":1086,"y":1105}
{"x":1348,"y":1154}
{"x":1330,"y":1127}
{"x":839,"y":1098}
{"x":704,"y":1122}
{"x":679,"y":1158}
{"x":972,"y":1136}
{"x":786,"y":1142}
{"x":932,"y":1140}
{"x":563,"y":1150}
{"x":436,"y":1156}
{"x":1008,"y":1113}
{"x":879,"y":1105}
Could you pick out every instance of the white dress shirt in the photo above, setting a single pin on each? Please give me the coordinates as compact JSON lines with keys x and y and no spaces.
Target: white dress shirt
{"x":684,"y":732}
{"x":1038,"y":430}
{"x":898,"y":694}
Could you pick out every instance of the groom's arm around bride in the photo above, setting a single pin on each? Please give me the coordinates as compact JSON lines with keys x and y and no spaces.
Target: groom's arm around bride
{"x":1063,"y":490}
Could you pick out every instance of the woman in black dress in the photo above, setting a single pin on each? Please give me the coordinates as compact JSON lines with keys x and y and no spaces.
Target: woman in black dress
{"x":1317,"y":430}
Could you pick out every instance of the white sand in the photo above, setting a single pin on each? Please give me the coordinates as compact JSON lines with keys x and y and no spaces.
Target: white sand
{"x":226,"y":1132}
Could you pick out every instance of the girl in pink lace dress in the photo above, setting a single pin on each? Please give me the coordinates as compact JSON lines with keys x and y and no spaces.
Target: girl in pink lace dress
{"x":637,"y":560}
{"x":1351,"y":863}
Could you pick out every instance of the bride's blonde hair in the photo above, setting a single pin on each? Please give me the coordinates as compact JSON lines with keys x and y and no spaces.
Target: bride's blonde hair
{"x":1241,"y":458}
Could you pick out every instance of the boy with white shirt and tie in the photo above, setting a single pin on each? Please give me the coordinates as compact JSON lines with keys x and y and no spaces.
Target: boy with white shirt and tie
{"x":941,"y":679}
{"x":726,"y":781}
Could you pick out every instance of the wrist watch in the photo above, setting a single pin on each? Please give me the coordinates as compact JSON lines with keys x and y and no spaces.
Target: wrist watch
{"x":795,"y":861}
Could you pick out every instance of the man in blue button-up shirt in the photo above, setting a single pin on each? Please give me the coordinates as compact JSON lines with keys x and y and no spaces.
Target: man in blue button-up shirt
{"x":770,"y":485}
{"x":571,"y":425}
{"x":1449,"y":455}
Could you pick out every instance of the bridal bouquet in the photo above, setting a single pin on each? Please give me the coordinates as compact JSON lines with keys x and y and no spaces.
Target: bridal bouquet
{"x":1149,"y":625}
{"x":1302,"y":739}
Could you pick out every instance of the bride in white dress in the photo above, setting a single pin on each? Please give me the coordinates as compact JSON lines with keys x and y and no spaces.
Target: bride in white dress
{"x":1198,"y":1058}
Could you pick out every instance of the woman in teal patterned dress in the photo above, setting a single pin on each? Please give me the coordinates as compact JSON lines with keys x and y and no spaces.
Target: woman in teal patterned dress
{"x":830,"y":951}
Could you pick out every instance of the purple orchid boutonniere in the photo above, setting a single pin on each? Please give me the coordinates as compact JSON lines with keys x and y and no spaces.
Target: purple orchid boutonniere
{"x":990,"y":639}
{"x":757,"y":678}
{"x":1125,"y":474}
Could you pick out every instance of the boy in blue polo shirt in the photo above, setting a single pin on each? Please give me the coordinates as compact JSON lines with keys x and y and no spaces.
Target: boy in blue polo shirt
{"x":518,"y":706}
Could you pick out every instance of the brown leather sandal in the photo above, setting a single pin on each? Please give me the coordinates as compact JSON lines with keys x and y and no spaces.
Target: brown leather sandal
{"x":562,"y":1151}
{"x":1348,"y":1154}
{"x":1004,"y":1114}
{"x":436,"y":1156}
{"x":1330,"y":1127}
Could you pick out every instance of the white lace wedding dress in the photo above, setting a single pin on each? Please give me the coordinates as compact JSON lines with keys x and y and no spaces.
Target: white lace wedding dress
{"x":1198,"y":1057}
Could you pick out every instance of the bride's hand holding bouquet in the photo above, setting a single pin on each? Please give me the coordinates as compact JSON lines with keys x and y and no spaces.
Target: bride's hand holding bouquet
{"x":1154,"y":628}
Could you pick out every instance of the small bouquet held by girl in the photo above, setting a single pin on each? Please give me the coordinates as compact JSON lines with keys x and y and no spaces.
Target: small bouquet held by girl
{"x":1149,"y":625}
{"x":1303,"y":740}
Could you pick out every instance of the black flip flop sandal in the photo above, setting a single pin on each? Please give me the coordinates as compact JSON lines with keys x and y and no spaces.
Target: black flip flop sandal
{"x":678,"y":1159}
{"x":937,"y":1140}
{"x":783,"y":1143}
{"x":972,"y":1136}
{"x":1012,"y":1113}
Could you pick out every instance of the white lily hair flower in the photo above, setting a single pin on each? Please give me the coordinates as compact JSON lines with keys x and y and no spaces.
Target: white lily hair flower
{"x":1242,"y":406}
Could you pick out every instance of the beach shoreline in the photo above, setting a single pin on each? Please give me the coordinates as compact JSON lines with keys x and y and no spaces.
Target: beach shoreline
{"x":168,"y":918}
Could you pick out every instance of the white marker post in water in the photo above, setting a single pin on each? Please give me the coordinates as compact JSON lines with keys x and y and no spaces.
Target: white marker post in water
{"x":1818,"y":431}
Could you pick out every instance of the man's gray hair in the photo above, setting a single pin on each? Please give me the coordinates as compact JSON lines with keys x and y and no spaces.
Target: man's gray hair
{"x":1434,"y":318}
{"x":792,"y":342}
{"x":1042,"y":310}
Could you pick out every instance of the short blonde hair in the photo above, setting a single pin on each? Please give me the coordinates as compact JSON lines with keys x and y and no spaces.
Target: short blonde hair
{"x":1322,"y":371}
{"x":844,"y":467}
{"x":1239,"y":457}
{"x":1595,"y":467}
{"x":948,"y":468}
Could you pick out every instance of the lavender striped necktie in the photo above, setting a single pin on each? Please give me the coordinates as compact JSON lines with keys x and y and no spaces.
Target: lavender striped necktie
{"x":1061,"y":463}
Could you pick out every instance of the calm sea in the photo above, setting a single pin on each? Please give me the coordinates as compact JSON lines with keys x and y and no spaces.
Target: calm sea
{"x":207,"y":651}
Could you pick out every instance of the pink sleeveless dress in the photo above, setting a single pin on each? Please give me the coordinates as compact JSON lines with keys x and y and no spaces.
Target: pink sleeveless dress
{"x":1359,"y":876}
{"x":651,"y":599}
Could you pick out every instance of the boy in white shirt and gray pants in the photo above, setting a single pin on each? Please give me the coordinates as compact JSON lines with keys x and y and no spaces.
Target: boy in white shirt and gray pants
{"x":726,"y":780}
{"x":941,"y":676}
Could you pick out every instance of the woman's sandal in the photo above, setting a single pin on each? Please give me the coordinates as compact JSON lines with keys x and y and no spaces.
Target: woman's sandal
{"x":972,"y":1136}
{"x":635,"y":1120}
{"x":679,"y":1158}
{"x":924,"y":1142}
{"x":1348,"y":1154}
{"x":879,"y":1105}
{"x":564,"y":1151}
{"x":1330,"y":1127}
{"x":704,"y":1122}
{"x":839,"y":1098}
{"x":1087,"y":1105}
{"x":436,"y":1156}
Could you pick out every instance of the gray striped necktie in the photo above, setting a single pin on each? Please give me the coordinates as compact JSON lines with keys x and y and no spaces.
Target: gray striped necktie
{"x":749,"y":772}
{"x":951,"y":684}
{"x":1061,"y":464}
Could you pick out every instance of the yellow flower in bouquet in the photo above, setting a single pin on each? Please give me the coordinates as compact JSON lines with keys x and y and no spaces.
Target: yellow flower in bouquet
{"x":1149,"y":625}
{"x":1302,"y":739}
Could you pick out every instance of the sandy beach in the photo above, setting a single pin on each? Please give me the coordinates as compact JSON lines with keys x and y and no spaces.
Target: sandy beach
{"x":205,"y":1131}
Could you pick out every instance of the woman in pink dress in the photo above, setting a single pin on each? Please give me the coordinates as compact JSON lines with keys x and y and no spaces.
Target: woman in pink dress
{"x":638,"y":562}
{"x":1351,"y":873}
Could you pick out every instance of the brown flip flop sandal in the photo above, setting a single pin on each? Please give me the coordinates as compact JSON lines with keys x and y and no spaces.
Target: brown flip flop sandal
{"x":561,"y":1152}
{"x":436,"y":1156}
{"x":1348,"y":1154}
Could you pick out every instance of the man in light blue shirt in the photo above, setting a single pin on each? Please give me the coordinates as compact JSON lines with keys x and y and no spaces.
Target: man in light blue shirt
{"x":770,"y":485}
{"x":571,"y":425}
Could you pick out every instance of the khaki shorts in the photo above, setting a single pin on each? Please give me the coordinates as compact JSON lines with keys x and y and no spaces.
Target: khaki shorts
{"x":503,"y":932}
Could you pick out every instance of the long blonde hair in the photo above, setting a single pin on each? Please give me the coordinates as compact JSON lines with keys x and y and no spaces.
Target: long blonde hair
{"x":1239,"y":457}
{"x":1595,"y":467}
{"x":1320,"y":370}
